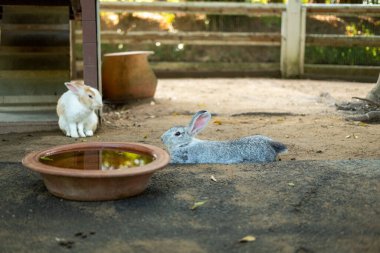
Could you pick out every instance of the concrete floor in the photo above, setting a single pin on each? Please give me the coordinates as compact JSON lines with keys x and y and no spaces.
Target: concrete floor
{"x":289,"y":206}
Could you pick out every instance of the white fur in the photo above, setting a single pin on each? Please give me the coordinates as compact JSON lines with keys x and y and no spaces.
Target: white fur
{"x":78,"y":119}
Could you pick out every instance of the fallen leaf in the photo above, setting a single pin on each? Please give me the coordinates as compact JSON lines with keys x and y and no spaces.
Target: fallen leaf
{"x":363,"y":124}
{"x":248,"y":238}
{"x":291,"y":184}
{"x":213,"y":178}
{"x":44,"y":158}
{"x":217,"y":122}
{"x":198,"y":204}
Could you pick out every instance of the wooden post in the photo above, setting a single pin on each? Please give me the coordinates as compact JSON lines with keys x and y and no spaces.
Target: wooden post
{"x":303,"y":40}
{"x":73,"y":68}
{"x":291,"y":39}
{"x":91,"y":43}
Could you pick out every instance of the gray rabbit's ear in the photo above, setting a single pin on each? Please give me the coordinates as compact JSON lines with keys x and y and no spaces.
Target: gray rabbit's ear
{"x":198,"y":122}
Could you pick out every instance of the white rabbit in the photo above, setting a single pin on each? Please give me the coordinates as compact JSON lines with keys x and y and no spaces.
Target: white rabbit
{"x":184,"y":148}
{"x":76,"y":110}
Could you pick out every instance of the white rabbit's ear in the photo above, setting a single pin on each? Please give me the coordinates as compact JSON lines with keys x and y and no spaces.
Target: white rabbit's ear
{"x":74,"y":87}
{"x":198,"y":122}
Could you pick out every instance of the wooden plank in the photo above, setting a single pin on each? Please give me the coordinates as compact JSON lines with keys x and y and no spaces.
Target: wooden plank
{"x":222,"y":8}
{"x":20,"y":125}
{"x":26,"y":61}
{"x":36,"y":99}
{"x":193,"y":38}
{"x":354,"y":9}
{"x":35,"y":27}
{"x":35,"y":15}
{"x":10,"y":50}
{"x":34,"y":38}
{"x":342,"y":72}
{"x":31,"y":74}
{"x":343,"y":40}
{"x":20,"y":86}
{"x":214,"y":66}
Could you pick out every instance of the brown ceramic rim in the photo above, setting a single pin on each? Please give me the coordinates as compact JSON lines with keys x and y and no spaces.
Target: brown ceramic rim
{"x":161,"y":160}
{"x":129,"y":53}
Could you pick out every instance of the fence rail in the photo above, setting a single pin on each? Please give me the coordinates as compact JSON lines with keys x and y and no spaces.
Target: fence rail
{"x":221,"y":8}
{"x":292,"y":38}
{"x":191,"y":38}
{"x":353,"y":9}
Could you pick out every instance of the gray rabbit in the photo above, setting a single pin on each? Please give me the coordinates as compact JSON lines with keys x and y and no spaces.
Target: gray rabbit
{"x":185,"y":148}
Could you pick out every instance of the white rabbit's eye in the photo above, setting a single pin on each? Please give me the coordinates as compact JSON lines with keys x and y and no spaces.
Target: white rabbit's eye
{"x":90,"y":96}
{"x":177,"y":134}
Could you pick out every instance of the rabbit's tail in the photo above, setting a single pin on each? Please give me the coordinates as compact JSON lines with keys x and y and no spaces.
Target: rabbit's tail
{"x":278,"y":147}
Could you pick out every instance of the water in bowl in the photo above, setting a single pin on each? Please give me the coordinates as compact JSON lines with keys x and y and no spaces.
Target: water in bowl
{"x":96,"y":159}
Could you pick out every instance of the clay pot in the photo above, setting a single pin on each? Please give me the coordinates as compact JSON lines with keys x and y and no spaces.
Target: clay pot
{"x":91,"y":184}
{"x":127,"y":76}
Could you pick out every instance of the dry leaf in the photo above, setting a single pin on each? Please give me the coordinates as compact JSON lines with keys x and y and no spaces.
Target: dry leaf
{"x":363,"y":124}
{"x":198,"y":204}
{"x":213,"y":178}
{"x":248,"y":238}
{"x":217,"y":122}
{"x":291,"y":184}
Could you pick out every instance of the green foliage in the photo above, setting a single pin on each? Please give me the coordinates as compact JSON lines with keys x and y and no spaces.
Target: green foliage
{"x":369,"y":56}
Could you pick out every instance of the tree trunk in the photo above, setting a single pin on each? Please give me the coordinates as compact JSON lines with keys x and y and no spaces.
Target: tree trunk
{"x":374,"y":94}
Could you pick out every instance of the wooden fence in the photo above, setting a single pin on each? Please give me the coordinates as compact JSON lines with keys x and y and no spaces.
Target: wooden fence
{"x":292,"y":39}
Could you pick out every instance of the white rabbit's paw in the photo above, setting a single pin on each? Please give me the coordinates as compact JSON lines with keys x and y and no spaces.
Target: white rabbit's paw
{"x":74,"y":135}
{"x":89,"y":133}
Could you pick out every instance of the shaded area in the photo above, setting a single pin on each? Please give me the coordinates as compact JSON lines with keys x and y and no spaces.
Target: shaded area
{"x":293,"y":206}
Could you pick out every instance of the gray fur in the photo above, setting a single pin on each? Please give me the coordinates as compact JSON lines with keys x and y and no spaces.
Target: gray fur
{"x":185,"y":148}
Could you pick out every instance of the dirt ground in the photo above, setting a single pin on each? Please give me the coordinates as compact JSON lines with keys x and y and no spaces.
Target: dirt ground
{"x":292,"y":206}
{"x":299,"y":113}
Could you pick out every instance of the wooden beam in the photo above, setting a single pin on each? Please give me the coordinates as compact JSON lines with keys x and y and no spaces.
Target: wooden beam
{"x":336,"y":9}
{"x":214,"y":66}
{"x":192,"y":38}
{"x":342,"y":40}
{"x":222,"y":8}
{"x":345,"y":72}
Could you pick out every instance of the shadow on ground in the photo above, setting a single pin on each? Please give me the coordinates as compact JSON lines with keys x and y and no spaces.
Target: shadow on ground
{"x":292,"y":206}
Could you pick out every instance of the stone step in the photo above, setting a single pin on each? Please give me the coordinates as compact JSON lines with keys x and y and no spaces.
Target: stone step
{"x":35,"y":14}
{"x":35,"y":61}
{"x":35,"y":38}
{"x":33,"y":82}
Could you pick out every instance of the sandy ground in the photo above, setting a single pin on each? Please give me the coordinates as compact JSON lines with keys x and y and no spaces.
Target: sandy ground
{"x":292,"y":206}
{"x":300,"y":113}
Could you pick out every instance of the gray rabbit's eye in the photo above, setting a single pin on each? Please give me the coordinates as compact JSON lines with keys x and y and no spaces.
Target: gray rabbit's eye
{"x":177,"y":134}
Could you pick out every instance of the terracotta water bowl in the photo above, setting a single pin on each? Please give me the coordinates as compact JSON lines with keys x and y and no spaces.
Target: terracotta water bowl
{"x":97,"y":171}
